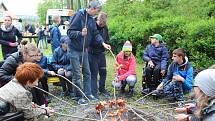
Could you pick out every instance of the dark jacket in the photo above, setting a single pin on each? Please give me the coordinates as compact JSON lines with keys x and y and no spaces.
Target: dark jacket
{"x":185,"y":70}
{"x":55,"y":36}
{"x":61,"y":59}
{"x":8,"y":69}
{"x":77,"y":23}
{"x":158,"y":55}
{"x":95,"y":47}
{"x":44,"y":64}
{"x":10,"y":36}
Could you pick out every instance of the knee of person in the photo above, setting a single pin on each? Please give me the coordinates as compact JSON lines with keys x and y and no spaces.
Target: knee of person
{"x":69,"y":73}
{"x":61,"y":73}
{"x":131,"y":80}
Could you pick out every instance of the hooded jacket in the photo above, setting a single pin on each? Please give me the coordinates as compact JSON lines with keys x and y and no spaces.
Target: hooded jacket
{"x":55,"y":36}
{"x":185,"y":70}
{"x":77,"y":23}
{"x":126,"y":66}
{"x":158,"y":55}
{"x":61,"y":59}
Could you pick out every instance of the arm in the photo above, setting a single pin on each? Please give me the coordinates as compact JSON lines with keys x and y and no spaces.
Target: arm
{"x":131,"y":70}
{"x":164,"y":58}
{"x":169,"y":73}
{"x":146,"y":54}
{"x":55,"y":36}
{"x":75,"y":28}
{"x":54,"y":61}
{"x":8,"y":69}
{"x":19,"y":36}
{"x":23,"y":102}
{"x":189,"y":78}
{"x":3,"y":42}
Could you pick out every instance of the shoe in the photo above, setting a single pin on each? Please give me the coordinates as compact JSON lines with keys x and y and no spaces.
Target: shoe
{"x":122,"y":90}
{"x":130,"y":93}
{"x":145,"y":91}
{"x":92,"y":98}
{"x":105,"y":93}
{"x":82,"y":102}
{"x":63,"y":94}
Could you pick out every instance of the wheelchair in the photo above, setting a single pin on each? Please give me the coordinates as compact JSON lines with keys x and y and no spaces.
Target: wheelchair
{"x":149,"y":85}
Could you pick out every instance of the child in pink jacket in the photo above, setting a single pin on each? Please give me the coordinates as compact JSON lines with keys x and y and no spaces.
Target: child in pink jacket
{"x":125,"y":70}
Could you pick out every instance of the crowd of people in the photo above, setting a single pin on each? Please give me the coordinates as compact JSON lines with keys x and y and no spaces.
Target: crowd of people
{"x":79,"y":55}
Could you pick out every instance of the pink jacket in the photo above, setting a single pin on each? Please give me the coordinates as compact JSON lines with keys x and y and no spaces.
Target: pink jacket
{"x":125,"y":67}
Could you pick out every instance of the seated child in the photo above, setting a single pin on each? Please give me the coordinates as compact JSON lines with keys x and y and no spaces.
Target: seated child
{"x":156,"y":58}
{"x":179,"y":77}
{"x":61,"y":64}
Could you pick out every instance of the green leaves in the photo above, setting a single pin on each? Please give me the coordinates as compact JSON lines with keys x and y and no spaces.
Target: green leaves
{"x":182,"y":23}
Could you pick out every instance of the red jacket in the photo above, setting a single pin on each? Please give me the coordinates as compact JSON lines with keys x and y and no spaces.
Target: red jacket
{"x":125,"y":67}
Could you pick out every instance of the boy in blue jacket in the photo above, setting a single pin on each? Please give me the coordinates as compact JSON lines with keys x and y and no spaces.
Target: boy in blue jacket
{"x":179,"y":77}
{"x":61,"y":64}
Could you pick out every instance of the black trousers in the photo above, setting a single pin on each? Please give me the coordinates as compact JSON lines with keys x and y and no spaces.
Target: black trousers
{"x":152,"y":77}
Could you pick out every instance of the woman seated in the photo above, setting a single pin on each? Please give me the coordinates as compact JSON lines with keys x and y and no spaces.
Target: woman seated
{"x":17,"y":91}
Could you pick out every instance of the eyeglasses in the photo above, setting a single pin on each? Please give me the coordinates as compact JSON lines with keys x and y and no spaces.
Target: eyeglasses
{"x":32,"y":56}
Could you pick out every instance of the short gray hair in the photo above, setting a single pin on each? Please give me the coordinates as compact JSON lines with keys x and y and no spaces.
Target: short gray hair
{"x":94,"y":4}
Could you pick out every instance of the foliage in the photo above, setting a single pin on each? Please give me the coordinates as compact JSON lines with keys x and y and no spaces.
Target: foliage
{"x":56,"y":4}
{"x":182,"y":23}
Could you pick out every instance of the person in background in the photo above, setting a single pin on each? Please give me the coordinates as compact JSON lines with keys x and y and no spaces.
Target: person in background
{"x":40,"y":37}
{"x":179,"y":77}
{"x":97,"y":58}
{"x":204,"y":91}
{"x":42,"y":61}
{"x":81,"y":34}
{"x":55,"y":34}
{"x":61,"y":64}
{"x":17,"y":91}
{"x":156,"y":58}
{"x":125,"y":69}
{"x":18,"y":25}
{"x":10,"y":37}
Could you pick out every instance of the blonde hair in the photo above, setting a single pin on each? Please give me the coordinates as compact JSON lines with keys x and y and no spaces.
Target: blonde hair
{"x":26,"y":47}
{"x":212,"y":67}
{"x":202,"y":102}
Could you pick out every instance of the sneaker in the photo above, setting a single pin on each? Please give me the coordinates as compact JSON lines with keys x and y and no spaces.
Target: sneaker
{"x":122,"y":90}
{"x":105,"y":93}
{"x":130,"y":93}
{"x":82,"y":102}
{"x":92,"y":98}
{"x":145,"y":91}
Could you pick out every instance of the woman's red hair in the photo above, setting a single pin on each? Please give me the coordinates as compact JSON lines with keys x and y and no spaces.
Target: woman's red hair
{"x":28,"y":72}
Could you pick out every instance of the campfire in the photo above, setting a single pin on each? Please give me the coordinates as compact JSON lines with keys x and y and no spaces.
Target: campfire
{"x":115,"y":109}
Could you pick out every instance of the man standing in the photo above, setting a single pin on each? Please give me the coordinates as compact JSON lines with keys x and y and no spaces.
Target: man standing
{"x":82,"y":32}
{"x":55,"y":33}
{"x":97,"y":58}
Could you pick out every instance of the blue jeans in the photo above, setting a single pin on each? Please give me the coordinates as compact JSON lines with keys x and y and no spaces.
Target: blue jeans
{"x":97,"y":66}
{"x":76,"y":58}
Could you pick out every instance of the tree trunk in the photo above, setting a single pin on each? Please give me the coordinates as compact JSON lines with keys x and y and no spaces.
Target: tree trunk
{"x":79,"y":4}
{"x":71,"y":4}
{"x":68,"y":4}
